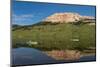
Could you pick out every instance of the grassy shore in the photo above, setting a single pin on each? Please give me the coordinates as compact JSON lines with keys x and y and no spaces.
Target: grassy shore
{"x":55,"y":37}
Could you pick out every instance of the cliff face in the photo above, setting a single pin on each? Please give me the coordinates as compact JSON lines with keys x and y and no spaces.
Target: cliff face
{"x":67,"y":17}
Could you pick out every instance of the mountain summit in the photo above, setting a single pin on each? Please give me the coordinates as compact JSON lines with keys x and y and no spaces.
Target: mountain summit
{"x":67,"y":17}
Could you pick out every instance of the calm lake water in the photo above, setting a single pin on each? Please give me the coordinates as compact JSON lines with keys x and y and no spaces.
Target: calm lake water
{"x":30,"y":56}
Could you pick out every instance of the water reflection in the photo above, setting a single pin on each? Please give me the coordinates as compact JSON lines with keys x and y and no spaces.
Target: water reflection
{"x":28,"y":56}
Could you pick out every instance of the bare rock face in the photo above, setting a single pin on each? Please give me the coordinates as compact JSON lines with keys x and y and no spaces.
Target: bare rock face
{"x":66,"y":17}
{"x":87,"y":17}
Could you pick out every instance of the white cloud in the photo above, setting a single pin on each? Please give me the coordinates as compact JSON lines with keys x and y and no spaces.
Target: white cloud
{"x":22,"y":18}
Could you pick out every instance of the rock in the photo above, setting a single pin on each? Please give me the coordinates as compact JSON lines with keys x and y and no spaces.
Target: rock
{"x":67,"y":17}
{"x":30,"y":43}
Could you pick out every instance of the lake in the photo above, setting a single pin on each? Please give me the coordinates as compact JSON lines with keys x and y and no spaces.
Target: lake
{"x":31,"y":56}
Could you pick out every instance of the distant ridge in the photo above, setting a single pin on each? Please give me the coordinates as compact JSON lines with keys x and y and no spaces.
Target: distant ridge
{"x":68,"y":17}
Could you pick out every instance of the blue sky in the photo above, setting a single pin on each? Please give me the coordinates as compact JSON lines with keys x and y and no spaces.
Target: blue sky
{"x":26,"y":13}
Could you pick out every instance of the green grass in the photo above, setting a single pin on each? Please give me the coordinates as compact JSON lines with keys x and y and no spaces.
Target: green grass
{"x":57,"y":36}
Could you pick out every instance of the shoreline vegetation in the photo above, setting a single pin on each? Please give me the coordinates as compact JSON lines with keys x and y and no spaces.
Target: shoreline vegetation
{"x":59,"y":41}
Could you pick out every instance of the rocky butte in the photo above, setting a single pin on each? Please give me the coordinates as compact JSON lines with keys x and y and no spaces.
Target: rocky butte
{"x":68,"y":17}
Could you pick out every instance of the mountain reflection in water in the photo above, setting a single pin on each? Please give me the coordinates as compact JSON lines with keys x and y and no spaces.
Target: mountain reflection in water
{"x":31,"y":56}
